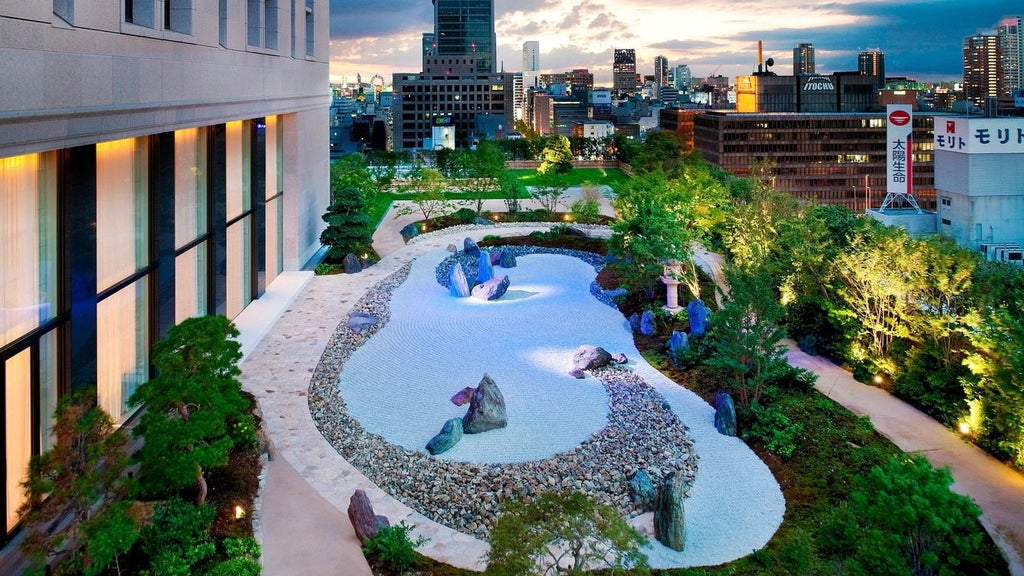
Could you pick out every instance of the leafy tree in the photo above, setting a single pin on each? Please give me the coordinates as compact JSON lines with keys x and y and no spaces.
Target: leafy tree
{"x":482,"y":172}
{"x":587,"y":209}
{"x":556,"y":156}
{"x":626,"y":148}
{"x":911,"y":520}
{"x":660,"y":151}
{"x":746,"y":335}
{"x":564,"y":534}
{"x":195,"y":412}
{"x":837,"y":537}
{"x":428,"y":187}
{"x":80,"y":479}
{"x":512,"y":189}
{"x":548,"y":189}
{"x":348,"y":226}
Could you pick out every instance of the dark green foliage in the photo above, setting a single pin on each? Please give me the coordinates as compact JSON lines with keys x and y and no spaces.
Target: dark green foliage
{"x":769,"y":426}
{"x":932,"y":385}
{"x":82,"y":478}
{"x":349,"y":229}
{"x":836,"y":538}
{"x":661,"y":151}
{"x":586,"y":211}
{"x":394,"y":548}
{"x":464,"y":215}
{"x":177,"y":538}
{"x":531,"y":536}
{"x":242,"y":558}
{"x":195,"y":412}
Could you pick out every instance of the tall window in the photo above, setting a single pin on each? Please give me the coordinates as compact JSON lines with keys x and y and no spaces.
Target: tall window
{"x":310,"y":36}
{"x":262,"y":23}
{"x":190,"y":226}
{"x":223,"y":23}
{"x":239,"y":217}
{"x":122,"y":252}
{"x":178,"y":16}
{"x":140,"y":12}
{"x":65,"y":9}
{"x":274,"y":198}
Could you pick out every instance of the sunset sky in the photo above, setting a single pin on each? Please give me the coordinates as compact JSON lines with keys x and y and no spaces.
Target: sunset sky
{"x":920,"y":38}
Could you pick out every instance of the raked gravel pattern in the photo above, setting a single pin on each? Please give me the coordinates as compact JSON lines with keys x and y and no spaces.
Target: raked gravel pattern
{"x":734,"y":506}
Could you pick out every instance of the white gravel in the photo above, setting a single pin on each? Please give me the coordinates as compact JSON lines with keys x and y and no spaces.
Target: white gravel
{"x":399,"y":383}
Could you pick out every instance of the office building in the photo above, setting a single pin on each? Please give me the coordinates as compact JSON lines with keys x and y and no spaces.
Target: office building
{"x":681,"y":77}
{"x":839,"y":92}
{"x":832,"y":158}
{"x":154,"y":165}
{"x":803,"y":59}
{"x":983,"y":77}
{"x":531,"y":56}
{"x":660,"y":71}
{"x":979,"y":182}
{"x":872,"y":63}
{"x":1010,"y":46}
{"x":457,"y":84}
{"x":465,"y":29}
{"x":624,"y":79}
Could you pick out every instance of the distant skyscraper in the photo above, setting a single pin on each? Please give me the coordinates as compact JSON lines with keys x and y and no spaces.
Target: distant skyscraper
{"x":681,"y":76}
{"x":803,"y":59}
{"x":531,"y":56}
{"x":660,"y":71}
{"x":1012,"y":48}
{"x":465,"y":28}
{"x":872,"y":63}
{"x":624,"y":70}
{"x":982,"y":74}
{"x":429,"y":45}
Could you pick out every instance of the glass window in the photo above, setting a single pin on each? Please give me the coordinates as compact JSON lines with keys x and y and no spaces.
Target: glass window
{"x":65,"y":9}
{"x":189,"y":185}
{"x":239,"y":267}
{"x":122,"y":217}
{"x":28,"y":244}
{"x":122,"y":361}
{"x":190,"y":295}
{"x":222,"y":30}
{"x":178,"y":16}
{"x":47,"y":387}
{"x":310,"y":35}
{"x":18,"y":430}
{"x":139,"y":12}
{"x":239,"y":197}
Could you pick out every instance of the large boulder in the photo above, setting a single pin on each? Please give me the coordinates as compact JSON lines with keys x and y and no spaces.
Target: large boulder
{"x":641,"y":490}
{"x":351,"y":264}
{"x":409,"y":231}
{"x":484,"y":271}
{"x":634,"y":322}
{"x":486,"y":409}
{"x":725,"y":414}
{"x":360,"y":512}
{"x":677,"y":344}
{"x":481,"y":221}
{"x":508,"y":259}
{"x":647,"y":324}
{"x":458,"y":286}
{"x":699,"y":316}
{"x":495,"y":257}
{"x":361,"y":322}
{"x":463,"y":396}
{"x":588,"y":357}
{"x":669,"y":515}
{"x":449,"y":436}
{"x":492,"y":289}
{"x":470,"y":248}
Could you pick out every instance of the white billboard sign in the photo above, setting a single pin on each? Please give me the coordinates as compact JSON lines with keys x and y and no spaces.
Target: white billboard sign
{"x":980,"y":135}
{"x":899,"y":148}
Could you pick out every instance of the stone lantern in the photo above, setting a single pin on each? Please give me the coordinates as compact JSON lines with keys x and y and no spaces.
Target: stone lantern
{"x":672,"y":270}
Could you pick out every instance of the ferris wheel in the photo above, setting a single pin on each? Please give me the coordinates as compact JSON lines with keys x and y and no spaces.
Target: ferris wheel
{"x":377,"y":81}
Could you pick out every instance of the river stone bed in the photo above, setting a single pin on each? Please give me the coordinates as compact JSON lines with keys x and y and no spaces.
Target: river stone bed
{"x":642,"y":433}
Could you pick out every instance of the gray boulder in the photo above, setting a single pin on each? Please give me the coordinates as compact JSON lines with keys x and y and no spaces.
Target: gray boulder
{"x":577,"y":373}
{"x":470,"y":248}
{"x":484,"y":270}
{"x":451,"y":248}
{"x":508,"y":259}
{"x":669,"y":515}
{"x":725,"y":414}
{"x":409,"y":231}
{"x":492,"y":289}
{"x":449,"y":436}
{"x":587,"y":357}
{"x":620,"y":358}
{"x":361,"y":322}
{"x":641,"y":490}
{"x":360,"y":512}
{"x":486,"y":409}
{"x":463,"y":396}
{"x":677,"y":343}
{"x":480,"y":220}
{"x":495,"y":257}
{"x":699,"y":316}
{"x":458,"y":286}
{"x":647,"y":324}
{"x":351,"y":264}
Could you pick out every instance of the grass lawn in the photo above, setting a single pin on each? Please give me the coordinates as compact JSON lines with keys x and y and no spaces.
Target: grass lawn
{"x":611,"y":176}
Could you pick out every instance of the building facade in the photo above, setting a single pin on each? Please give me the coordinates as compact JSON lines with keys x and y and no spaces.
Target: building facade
{"x":157,"y":162}
{"x":983,"y":77}
{"x":979,"y":181}
{"x":1011,"y":46}
{"x":839,"y":92}
{"x":830,"y":158}
{"x":681,"y":77}
{"x":803,"y":59}
{"x":872,"y":63}
{"x":465,"y":29}
{"x":661,"y":71}
{"x":624,"y":70}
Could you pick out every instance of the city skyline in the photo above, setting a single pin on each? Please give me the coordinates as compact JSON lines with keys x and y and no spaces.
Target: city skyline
{"x":920,"y":39}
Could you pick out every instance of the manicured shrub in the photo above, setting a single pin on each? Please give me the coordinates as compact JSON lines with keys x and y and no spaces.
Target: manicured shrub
{"x":394,"y":548}
{"x":769,"y":426}
{"x":177,"y":538}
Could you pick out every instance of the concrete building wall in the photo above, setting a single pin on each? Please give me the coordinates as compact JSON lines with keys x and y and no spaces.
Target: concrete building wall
{"x":980,"y":197}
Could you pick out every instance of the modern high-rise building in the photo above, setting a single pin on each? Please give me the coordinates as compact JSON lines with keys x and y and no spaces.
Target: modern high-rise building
{"x":458,"y":87}
{"x":983,"y":77}
{"x":660,"y":71}
{"x":531,"y":56}
{"x":429,"y":45}
{"x":624,"y":70}
{"x":681,"y":77}
{"x":872,"y":63}
{"x":803,"y":59}
{"x":1012,"y":50}
{"x":465,"y":29}
{"x":155,"y":165}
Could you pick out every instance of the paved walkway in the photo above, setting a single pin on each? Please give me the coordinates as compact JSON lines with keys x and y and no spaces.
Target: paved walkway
{"x":303,"y":525}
